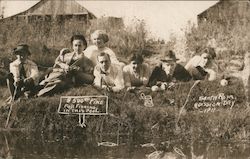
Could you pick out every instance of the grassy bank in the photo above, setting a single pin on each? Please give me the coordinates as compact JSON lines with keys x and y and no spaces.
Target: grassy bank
{"x":128,"y":114}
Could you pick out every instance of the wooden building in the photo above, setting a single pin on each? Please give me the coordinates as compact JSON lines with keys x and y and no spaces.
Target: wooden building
{"x":51,"y":10}
{"x":227,"y":13}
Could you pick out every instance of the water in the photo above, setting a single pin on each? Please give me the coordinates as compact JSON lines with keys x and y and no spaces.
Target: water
{"x":37,"y":146}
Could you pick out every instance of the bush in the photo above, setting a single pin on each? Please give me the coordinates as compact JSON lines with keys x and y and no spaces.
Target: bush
{"x":128,"y":114}
{"x":47,"y":38}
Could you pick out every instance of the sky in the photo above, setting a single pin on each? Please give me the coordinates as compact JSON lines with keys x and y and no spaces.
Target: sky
{"x":162,"y":18}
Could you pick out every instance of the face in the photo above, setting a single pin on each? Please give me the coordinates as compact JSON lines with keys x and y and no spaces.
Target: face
{"x":168,"y":67}
{"x":135,"y":65}
{"x":98,"y":41}
{"x":78,"y":46}
{"x":104,"y":63}
{"x":22,"y":58}
{"x":205,"y":58}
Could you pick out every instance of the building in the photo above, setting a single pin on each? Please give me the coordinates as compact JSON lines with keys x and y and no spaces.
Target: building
{"x":227,"y":13}
{"x":50,"y":10}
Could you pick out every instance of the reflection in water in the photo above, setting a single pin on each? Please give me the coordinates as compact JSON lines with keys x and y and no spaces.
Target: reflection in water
{"x":5,"y":149}
{"x":19,"y":145}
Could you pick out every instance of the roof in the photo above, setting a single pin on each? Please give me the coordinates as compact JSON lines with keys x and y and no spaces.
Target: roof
{"x":56,"y":7}
{"x":215,"y":5}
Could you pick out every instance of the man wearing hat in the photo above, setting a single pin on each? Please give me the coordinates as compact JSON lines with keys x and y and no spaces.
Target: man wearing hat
{"x":169,"y":71}
{"x":23,"y":73}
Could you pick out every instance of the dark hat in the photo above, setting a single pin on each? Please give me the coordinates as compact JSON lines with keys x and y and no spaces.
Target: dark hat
{"x":210,"y":51}
{"x":21,"y":49}
{"x":169,"y":56}
{"x":137,"y":57}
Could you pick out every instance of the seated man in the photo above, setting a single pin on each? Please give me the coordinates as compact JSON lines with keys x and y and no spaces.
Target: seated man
{"x":136,"y":73}
{"x":169,"y":71}
{"x":23,"y":73}
{"x":108,"y":76}
{"x":202,"y":66}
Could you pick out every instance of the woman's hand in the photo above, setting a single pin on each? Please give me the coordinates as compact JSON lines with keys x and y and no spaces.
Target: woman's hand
{"x":74,"y":68}
{"x":130,"y":88}
{"x":107,"y":88}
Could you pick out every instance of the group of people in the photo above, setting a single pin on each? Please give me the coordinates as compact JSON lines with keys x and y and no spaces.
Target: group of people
{"x":99,"y":66}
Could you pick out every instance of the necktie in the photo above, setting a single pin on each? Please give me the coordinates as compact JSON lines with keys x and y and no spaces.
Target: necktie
{"x":22,"y":72}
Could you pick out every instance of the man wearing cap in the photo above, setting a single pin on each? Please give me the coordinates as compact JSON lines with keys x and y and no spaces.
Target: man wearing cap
{"x":23,"y":73}
{"x":108,"y":76}
{"x":136,"y":73}
{"x":167,"y":73}
{"x":202,"y":66}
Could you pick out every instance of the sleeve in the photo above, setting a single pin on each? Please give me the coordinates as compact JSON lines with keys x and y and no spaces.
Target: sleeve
{"x":211,"y":74}
{"x":154,"y":77}
{"x":60,"y":62}
{"x":34,"y":73}
{"x":126,"y":76}
{"x":181,"y":74}
{"x":119,"y":81}
{"x":192,"y":62}
{"x":88,"y":51}
{"x":14,"y":70}
{"x":91,"y":53}
{"x":146,"y":74}
{"x":113,"y":57}
{"x":186,"y":75}
{"x":88,"y":65}
{"x":97,"y":81}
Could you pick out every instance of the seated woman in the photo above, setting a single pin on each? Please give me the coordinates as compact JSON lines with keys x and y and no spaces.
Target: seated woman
{"x":136,"y":73}
{"x":71,"y":68}
{"x":202,"y":66}
{"x":168,"y":72}
{"x":99,"y":39}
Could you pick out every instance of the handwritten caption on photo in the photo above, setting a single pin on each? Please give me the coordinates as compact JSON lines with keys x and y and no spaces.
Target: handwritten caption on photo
{"x":212,"y":103}
{"x":88,"y":105}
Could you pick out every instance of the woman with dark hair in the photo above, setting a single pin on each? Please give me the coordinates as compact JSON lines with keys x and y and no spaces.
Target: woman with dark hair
{"x":71,"y":68}
{"x":203,"y":67}
{"x":136,"y":73}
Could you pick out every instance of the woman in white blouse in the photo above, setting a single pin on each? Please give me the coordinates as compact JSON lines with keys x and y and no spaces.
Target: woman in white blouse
{"x":99,"y":39}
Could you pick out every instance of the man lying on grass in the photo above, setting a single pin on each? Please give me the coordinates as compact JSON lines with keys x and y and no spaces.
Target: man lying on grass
{"x":23,"y":74}
{"x":168,"y":72}
{"x":136,"y":73}
{"x":108,"y":76}
{"x":203,"y":67}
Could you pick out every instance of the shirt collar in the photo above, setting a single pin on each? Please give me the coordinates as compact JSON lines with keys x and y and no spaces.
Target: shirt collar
{"x":106,"y":72}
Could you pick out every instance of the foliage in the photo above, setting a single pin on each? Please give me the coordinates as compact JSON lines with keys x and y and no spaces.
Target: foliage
{"x":128,"y":114}
{"x":46,"y":38}
{"x":228,"y":38}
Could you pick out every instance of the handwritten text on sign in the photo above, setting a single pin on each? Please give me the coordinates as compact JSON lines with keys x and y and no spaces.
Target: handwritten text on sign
{"x":212,"y":103}
{"x":88,"y":105}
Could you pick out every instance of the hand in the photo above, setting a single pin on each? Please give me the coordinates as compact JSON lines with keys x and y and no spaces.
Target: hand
{"x":18,"y":83}
{"x":130,"y":88}
{"x":155,"y":88}
{"x":107,"y":88}
{"x":65,"y":67}
{"x":27,"y":80}
{"x":74,"y":68}
{"x":171,"y":85}
{"x":163,"y":86}
{"x":158,"y":83}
